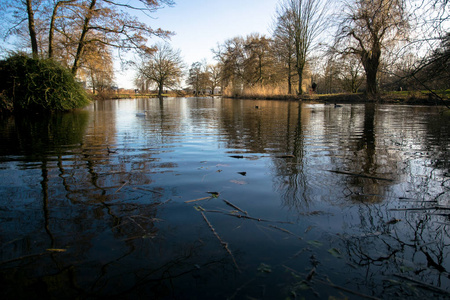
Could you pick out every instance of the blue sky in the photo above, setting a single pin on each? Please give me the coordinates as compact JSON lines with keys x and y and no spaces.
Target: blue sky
{"x":201,"y":24}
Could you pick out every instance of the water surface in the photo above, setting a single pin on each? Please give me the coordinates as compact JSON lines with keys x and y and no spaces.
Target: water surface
{"x":226,"y":199}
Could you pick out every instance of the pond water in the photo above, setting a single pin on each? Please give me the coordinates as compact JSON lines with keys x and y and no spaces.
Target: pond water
{"x":208,"y":198}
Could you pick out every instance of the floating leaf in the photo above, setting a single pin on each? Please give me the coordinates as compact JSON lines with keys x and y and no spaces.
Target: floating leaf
{"x":392,"y":221}
{"x":238,"y":182}
{"x":315,"y":243}
{"x":149,"y":236}
{"x":309,"y":228}
{"x":404,"y":269}
{"x":56,"y":250}
{"x":214,"y":194}
{"x":335,"y":252}
{"x":303,"y":286}
{"x":263,"y":268}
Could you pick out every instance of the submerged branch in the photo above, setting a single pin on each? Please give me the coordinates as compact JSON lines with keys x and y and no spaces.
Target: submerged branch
{"x":235,"y":207}
{"x":224,"y":244}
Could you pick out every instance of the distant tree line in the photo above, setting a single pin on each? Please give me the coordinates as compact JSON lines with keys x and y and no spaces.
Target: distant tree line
{"x":359,"y":45}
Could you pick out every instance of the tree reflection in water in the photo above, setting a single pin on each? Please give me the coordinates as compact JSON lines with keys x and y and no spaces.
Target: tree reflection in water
{"x":310,"y":201}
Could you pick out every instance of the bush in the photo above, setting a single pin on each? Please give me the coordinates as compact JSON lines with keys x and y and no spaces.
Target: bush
{"x":34,"y":84}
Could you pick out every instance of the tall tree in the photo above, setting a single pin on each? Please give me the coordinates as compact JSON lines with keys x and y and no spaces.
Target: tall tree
{"x":164,"y":67}
{"x":369,"y":27}
{"x":305,"y":20}
{"x":284,"y":47}
{"x":32,"y":28}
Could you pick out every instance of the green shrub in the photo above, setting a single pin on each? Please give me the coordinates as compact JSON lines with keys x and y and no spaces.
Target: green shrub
{"x":34,"y":84}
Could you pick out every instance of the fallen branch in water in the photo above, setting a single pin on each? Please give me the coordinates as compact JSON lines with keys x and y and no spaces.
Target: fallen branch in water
{"x":359,"y":175}
{"x":234,"y":206}
{"x":252,"y":218}
{"x":224,"y":244}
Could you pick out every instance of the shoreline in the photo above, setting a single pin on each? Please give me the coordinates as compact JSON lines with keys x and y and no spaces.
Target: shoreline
{"x":407,"y":98}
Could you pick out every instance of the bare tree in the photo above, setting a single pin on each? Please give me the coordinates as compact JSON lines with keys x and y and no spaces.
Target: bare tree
{"x":303,"y":21}
{"x":367,"y":29}
{"x":164,"y":67}
{"x":214,"y":71}
{"x":230,"y":57}
{"x":198,"y":77}
{"x":257,"y":60}
{"x":284,"y":47}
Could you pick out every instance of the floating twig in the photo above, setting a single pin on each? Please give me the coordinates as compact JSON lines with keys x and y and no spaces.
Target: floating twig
{"x":121,"y":187}
{"x":235,"y":207}
{"x":224,"y":244}
{"x":199,"y":199}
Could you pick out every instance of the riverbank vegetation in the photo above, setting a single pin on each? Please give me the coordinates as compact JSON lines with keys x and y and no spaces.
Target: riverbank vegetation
{"x":38,"y":85}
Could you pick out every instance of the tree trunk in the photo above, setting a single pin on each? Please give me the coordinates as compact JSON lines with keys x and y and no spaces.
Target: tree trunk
{"x":160,"y":88}
{"x":82,"y":41}
{"x":300,"y":79}
{"x":289,"y":77}
{"x":371,"y":61}
{"x":31,"y":27}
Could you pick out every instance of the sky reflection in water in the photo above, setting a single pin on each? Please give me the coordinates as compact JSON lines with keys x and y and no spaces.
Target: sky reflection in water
{"x":215,"y":198}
